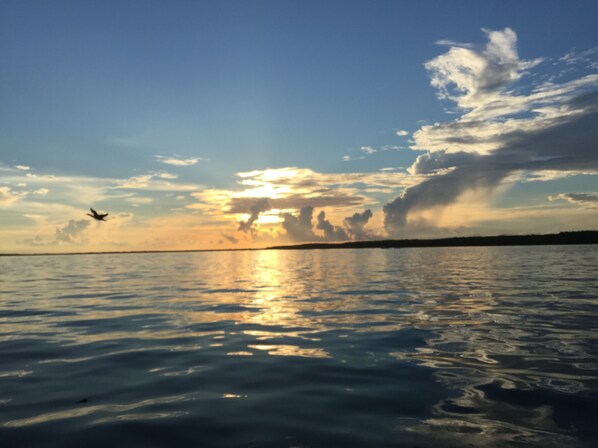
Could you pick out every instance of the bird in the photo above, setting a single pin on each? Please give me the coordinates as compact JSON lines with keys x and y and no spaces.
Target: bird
{"x":96,"y":215}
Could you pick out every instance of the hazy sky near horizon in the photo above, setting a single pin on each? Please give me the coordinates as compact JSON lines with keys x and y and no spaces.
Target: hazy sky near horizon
{"x":217,"y":124}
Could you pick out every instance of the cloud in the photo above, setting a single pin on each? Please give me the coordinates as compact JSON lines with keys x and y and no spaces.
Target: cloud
{"x":477,"y":77}
{"x":230,"y":238}
{"x":8,"y":197}
{"x":72,"y":232}
{"x":430,"y":163}
{"x":501,"y":133}
{"x":177,"y":161}
{"x":588,"y":200}
{"x":293,"y":180}
{"x":136,"y":182}
{"x":453,"y":43}
{"x":291,"y":188}
{"x":295,"y":202}
{"x":367,"y":150}
{"x":587,"y":57}
{"x":299,"y":228}
{"x":65,"y":189}
{"x":261,"y":205}
{"x":331,"y":232}
{"x":118,"y":220}
{"x":40,"y":219}
{"x":356,"y":223}
{"x":265,"y":196}
{"x":154,"y":182}
{"x":35,"y":241}
{"x":402,"y":133}
{"x":22,"y":167}
{"x":392,"y":148}
{"x":137,"y":201}
{"x":60,"y":197}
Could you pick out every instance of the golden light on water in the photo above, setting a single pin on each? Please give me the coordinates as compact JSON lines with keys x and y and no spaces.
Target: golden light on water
{"x":273,"y":298}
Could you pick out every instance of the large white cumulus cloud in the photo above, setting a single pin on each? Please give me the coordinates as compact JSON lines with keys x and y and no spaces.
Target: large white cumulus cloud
{"x":475,"y":77}
{"x":500,"y":131}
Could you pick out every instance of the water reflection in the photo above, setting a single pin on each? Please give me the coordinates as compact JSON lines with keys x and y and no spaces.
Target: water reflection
{"x":86,"y":410}
{"x":291,"y":350}
{"x":478,"y":346}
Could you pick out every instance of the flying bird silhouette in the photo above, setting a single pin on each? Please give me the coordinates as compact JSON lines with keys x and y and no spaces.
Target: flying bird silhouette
{"x":96,"y":215}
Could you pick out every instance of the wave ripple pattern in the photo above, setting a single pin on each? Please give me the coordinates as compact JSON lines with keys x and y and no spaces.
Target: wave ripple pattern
{"x":410,"y":347}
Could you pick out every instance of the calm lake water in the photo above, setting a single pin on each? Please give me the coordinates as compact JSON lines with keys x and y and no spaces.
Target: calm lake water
{"x":401,"y":347}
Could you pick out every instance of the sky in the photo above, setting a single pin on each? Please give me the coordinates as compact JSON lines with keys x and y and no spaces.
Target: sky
{"x":232,"y":124}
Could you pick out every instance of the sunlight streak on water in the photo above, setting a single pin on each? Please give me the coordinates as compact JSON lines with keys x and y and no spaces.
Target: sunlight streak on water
{"x":478,"y":346}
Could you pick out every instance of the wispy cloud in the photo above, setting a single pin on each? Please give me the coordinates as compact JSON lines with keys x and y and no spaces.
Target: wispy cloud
{"x":304,"y":180}
{"x":137,"y":201}
{"x":22,"y":167}
{"x":36,"y":218}
{"x":72,"y":232}
{"x":230,"y":238}
{"x":8,"y":197}
{"x":154,"y":182}
{"x":587,"y":200}
{"x":177,"y":161}
{"x":588,"y":57}
{"x":368,"y":150}
{"x":58,"y":197}
{"x":453,"y":43}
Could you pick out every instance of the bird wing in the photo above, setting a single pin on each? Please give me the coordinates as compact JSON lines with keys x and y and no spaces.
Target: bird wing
{"x":94,"y":212}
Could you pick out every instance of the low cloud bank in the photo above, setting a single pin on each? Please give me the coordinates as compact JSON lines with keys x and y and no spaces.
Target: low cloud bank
{"x":300,"y":227}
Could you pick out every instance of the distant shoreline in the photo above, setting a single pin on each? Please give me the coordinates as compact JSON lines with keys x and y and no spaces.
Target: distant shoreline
{"x":562,"y":238}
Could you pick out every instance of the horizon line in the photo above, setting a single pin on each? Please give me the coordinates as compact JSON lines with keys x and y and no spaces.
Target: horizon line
{"x":520,"y":240}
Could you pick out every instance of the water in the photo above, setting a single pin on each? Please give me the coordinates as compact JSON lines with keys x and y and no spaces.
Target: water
{"x":408,"y":347}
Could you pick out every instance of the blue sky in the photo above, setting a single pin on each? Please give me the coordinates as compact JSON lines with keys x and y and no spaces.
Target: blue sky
{"x":94,"y":91}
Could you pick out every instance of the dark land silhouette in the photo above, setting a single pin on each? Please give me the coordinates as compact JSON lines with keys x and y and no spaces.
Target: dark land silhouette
{"x":577,"y":237}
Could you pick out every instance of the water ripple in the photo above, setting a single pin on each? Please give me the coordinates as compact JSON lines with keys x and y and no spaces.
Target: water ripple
{"x":414,"y":347}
